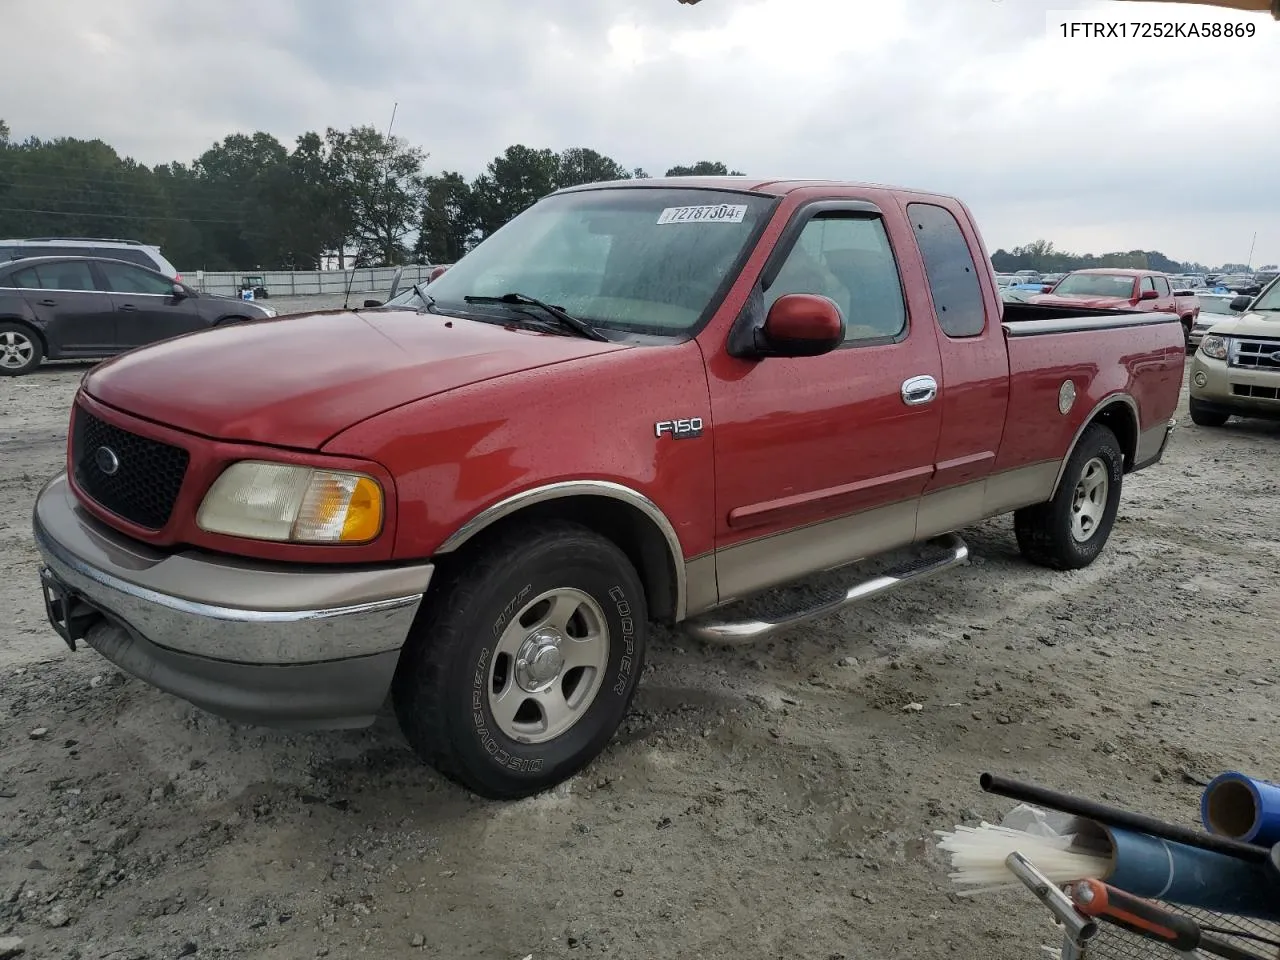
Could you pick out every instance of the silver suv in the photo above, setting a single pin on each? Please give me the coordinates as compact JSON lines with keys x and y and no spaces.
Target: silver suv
{"x":132,"y":251}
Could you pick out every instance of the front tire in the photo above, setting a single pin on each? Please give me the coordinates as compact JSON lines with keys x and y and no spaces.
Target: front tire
{"x":1069,"y":531}
{"x":20,"y":350}
{"x":525,"y":661}
{"x":1201,"y":416}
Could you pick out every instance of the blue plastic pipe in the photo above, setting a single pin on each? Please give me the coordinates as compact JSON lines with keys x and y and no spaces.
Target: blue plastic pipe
{"x":1234,"y":805}
{"x":1158,"y":869}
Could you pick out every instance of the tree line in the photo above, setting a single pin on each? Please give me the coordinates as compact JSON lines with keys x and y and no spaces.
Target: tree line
{"x":250,"y":202}
{"x":1042,"y":257}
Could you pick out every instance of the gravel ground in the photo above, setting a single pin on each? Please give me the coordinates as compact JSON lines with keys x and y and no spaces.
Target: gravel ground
{"x":776,"y":801}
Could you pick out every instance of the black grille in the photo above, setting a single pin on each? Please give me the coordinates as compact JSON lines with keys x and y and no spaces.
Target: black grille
{"x":147,"y":476}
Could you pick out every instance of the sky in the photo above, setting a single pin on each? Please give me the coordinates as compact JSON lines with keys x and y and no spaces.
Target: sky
{"x":1095,"y":144}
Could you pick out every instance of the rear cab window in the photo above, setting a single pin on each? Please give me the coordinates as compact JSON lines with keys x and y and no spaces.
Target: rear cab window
{"x":950,"y":270}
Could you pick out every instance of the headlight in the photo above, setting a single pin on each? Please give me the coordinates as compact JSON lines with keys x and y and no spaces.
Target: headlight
{"x":276,"y":501}
{"x":1214,"y":346}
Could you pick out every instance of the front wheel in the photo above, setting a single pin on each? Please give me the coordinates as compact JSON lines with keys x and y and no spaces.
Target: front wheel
{"x":525,"y":661}
{"x":1203,"y":416}
{"x":1069,"y":531}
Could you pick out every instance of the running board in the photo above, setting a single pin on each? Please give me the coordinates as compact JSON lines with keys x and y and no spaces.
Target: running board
{"x":714,"y":627}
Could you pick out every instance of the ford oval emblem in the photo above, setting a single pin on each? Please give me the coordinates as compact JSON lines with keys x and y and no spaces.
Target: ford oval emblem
{"x":106,"y":460}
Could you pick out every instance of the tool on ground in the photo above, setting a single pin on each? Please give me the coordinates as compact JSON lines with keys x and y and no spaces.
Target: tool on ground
{"x":1100,"y":901}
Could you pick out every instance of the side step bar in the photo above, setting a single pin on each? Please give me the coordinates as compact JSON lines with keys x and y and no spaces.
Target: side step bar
{"x":714,"y":627}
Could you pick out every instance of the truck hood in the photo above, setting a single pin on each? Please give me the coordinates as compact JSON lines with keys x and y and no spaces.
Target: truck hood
{"x":299,"y":380}
{"x":1250,"y":324}
{"x":1099,"y":303}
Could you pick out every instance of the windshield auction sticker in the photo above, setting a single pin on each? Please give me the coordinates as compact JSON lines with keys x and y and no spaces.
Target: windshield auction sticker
{"x":712,"y":213}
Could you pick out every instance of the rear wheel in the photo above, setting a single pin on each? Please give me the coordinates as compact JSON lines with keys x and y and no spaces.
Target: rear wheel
{"x":20,"y":349}
{"x":1069,"y":531}
{"x":525,"y":661}
{"x":1202,"y":416}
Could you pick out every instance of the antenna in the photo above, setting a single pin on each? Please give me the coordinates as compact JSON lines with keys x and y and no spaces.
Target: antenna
{"x":394,"y":107}
{"x":351,"y":282}
{"x":1249,"y":263}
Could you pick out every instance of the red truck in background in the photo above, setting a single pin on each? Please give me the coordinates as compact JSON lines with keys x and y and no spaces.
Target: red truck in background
{"x":636,"y":402}
{"x":1112,"y":288}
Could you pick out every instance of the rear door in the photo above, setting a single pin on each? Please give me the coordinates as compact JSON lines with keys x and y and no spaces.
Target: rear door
{"x":145,"y":307}
{"x":822,"y":460}
{"x":78,"y":318}
{"x":974,"y":390}
{"x":1166,"y":302}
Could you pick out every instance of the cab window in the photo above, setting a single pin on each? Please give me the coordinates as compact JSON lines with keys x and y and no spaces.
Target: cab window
{"x":847,"y":259}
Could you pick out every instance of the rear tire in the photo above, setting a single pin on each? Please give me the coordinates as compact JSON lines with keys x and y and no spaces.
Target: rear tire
{"x":20,"y":349}
{"x":525,"y":660}
{"x":1203,"y":417}
{"x":1069,"y":531}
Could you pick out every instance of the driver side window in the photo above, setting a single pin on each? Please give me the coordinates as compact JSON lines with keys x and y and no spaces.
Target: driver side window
{"x":849,"y":260}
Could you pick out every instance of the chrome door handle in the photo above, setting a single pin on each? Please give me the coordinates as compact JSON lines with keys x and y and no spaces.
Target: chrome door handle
{"x":919,"y":390}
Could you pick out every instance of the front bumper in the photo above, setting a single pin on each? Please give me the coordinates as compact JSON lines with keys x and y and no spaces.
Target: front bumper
{"x":276,"y":644}
{"x":1241,"y":391}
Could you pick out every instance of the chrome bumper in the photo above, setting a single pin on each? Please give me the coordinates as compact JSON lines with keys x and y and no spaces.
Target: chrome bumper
{"x":214,"y":629}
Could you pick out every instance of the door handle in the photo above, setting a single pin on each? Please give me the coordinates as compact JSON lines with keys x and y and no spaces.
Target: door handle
{"x":919,"y":390}
{"x":48,"y":303}
{"x":127,"y":306}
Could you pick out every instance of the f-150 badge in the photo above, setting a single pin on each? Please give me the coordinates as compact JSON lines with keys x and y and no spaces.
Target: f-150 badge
{"x":679,"y":429}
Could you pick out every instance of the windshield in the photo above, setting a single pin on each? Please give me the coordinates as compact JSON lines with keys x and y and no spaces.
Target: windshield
{"x":643,"y":260}
{"x":1095,"y":285}
{"x":1269,"y":299}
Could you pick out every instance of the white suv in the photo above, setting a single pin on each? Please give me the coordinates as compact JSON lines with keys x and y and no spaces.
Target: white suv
{"x":132,"y":251}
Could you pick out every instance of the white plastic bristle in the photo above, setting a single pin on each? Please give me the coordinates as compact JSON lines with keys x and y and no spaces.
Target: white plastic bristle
{"x":978,"y":857}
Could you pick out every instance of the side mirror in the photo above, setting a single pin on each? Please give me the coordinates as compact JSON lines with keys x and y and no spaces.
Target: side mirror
{"x":179,"y":291}
{"x":373,"y":303}
{"x":437,"y":272}
{"x":1047,"y":288}
{"x":1240,"y":304}
{"x":802,"y":325}
{"x":1149,"y":295}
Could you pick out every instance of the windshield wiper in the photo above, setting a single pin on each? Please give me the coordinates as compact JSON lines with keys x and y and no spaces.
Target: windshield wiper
{"x":566,"y":320}
{"x":428,"y":301}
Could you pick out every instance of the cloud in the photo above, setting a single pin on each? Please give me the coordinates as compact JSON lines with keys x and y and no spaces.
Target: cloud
{"x":1093,"y":143}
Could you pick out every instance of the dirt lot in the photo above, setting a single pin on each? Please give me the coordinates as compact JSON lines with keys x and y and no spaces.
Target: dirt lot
{"x":771,"y":802}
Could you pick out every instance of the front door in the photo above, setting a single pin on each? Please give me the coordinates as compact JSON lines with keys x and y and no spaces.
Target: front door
{"x":822,"y":460}
{"x":78,"y":318}
{"x":145,"y":306}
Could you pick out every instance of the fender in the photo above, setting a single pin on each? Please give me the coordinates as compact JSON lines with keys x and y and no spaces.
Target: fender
{"x":578,"y":488}
{"x":1108,"y":400}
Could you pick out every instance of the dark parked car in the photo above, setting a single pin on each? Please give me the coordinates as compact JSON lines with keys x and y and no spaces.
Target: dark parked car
{"x":72,"y":308}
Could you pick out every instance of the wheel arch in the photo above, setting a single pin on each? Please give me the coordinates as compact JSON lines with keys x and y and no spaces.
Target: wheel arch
{"x":625,"y":516}
{"x":1118,"y":412}
{"x":24,"y":322}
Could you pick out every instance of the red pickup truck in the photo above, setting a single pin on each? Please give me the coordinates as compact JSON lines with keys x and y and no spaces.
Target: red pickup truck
{"x":635,"y":402}
{"x":1115,"y":288}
